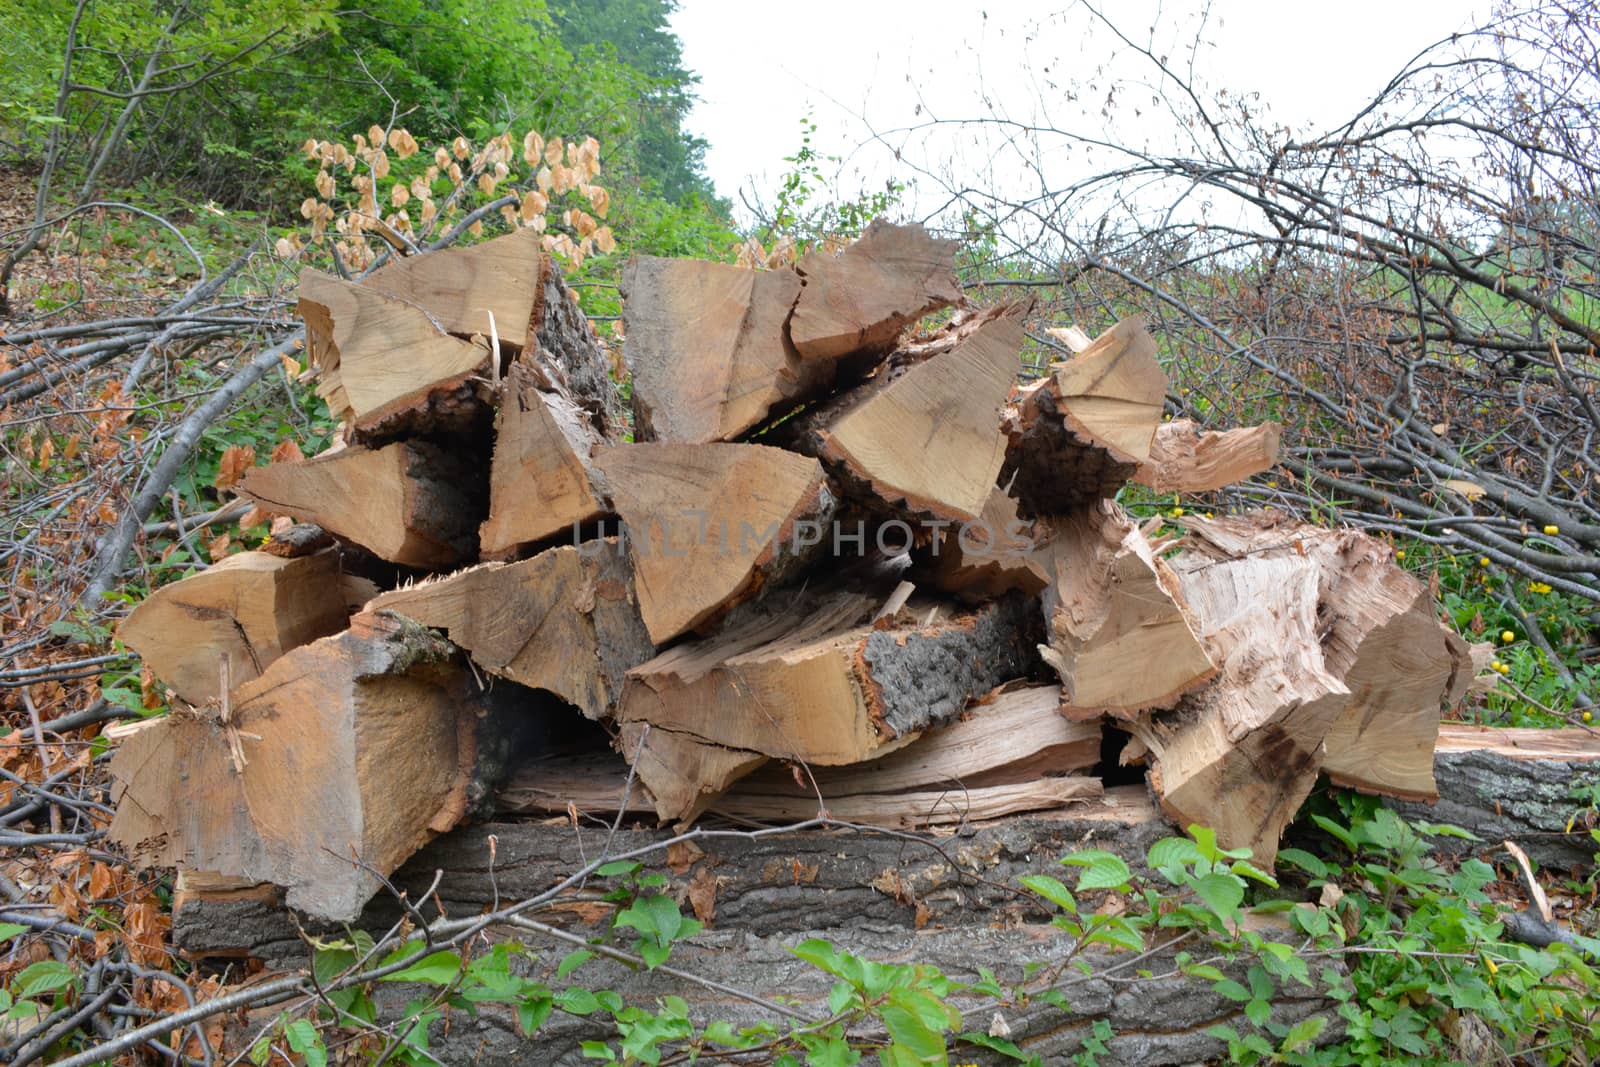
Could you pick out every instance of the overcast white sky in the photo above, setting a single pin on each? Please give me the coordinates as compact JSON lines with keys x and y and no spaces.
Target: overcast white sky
{"x":860,"y":65}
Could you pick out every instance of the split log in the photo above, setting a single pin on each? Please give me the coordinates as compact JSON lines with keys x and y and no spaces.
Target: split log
{"x":247,"y":609}
{"x":946,"y":775}
{"x":709,"y":525}
{"x":1121,"y":636}
{"x":923,"y":434}
{"x":1184,"y":459}
{"x":822,"y":688}
{"x":681,"y":775}
{"x":862,"y":297}
{"x":1241,"y":755}
{"x":706,"y":347}
{"x":377,"y":355}
{"x":565,"y":621}
{"x":1380,"y":636}
{"x":321,"y":776}
{"x":1019,"y":736}
{"x":1077,"y":436}
{"x":921,"y":810}
{"x":461,"y":287}
{"x":987,"y":557}
{"x":541,"y":480}
{"x":411,"y":503}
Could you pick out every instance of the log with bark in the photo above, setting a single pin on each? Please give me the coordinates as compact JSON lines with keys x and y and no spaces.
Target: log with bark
{"x":414,"y":503}
{"x":922,"y":437}
{"x":322,"y":776}
{"x":566,"y":621}
{"x":1078,"y":435}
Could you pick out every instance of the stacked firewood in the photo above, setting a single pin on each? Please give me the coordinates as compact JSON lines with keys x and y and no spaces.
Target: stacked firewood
{"x":838,"y":560}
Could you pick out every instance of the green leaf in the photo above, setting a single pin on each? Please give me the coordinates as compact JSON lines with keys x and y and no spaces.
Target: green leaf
{"x":1232,"y":990}
{"x":1312,"y":865}
{"x":1221,"y":893}
{"x":577,"y":1001}
{"x":1331,"y":827}
{"x":301,"y":1036}
{"x":436,"y":968}
{"x":1102,"y":870}
{"x":1303,"y":1033}
{"x":1052,"y":890}
{"x":822,"y":955}
{"x":616,"y":867}
{"x":908,"y":1030}
{"x":10,"y":930}
{"x":597,"y":1050}
{"x":1171,"y":854}
{"x":533,"y":1011}
{"x":36,"y":979}
{"x":1205,"y":839}
{"x":572,"y":961}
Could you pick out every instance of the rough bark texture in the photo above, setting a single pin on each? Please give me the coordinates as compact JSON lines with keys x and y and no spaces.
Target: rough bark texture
{"x":1154,"y":1022}
{"x":1079,"y":435}
{"x":862,"y":297}
{"x":1523,"y":785}
{"x":823,"y":688}
{"x":250,"y":608}
{"x":566,"y":621}
{"x":411,"y":503}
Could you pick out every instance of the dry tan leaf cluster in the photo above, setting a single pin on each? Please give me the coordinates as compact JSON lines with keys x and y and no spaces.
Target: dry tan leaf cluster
{"x":554,"y":181}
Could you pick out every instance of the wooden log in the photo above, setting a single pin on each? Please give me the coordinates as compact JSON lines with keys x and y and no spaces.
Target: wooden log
{"x":541,"y":480}
{"x":709,"y":525}
{"x":321,"y":776}
{"x":1242,"y":754}
{"x":1015,"y":740}
{"x":566,"y":621}
{"x":247,"y":609}
{"x":825,"y":687}
{"x":411,"y":503}
{"x":376,"y":354}
{"x":987,"y":557}
{"x":681,"y":775}
{"x":1380,"y":635}
{"x":1121,"y":636}
{"x":1019,"y":736}
{"x":1501,"y":785}
{"x":1077,"y":436}
{"x":706,"y":347}
{"x":1508,"y":784}
{"x":1185,"y":459}
{"x":923,"y":434}
{"x":813,"y":880}
{"x":862,"y":297}
{"x":460,"y":287}
{"x":919,"y":810}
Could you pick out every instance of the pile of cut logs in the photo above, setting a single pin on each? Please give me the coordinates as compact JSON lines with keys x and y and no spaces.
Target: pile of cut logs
{"x":838,"y":560}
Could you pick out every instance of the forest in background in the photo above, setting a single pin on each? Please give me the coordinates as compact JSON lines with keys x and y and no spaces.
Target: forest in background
{"x":1425,"y":331}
